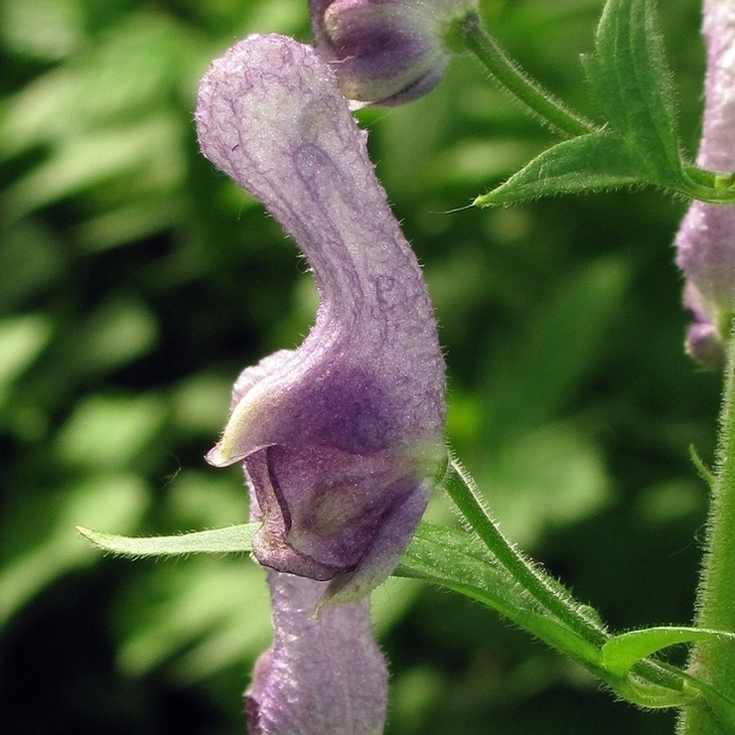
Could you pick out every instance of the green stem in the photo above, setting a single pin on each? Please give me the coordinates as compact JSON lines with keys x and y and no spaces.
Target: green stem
{"x":467,"y":33}
{"x":706,"y":186}
{"x":713,"y":661}
{"x":464,"y":492}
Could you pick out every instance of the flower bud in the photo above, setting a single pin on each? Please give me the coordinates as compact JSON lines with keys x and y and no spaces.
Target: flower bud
{"x":703,"y":343}
{"x":384,"y":52}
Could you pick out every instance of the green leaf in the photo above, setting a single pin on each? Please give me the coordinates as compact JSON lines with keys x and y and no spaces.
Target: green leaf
{"x":587,"y":163}
{"x":630,"y":76}
{"x":444,"y":556}
{"x":456,"y":560}
{"x":233,"y":539}
{"x":440,"y":555}
{"x":623,"y":651}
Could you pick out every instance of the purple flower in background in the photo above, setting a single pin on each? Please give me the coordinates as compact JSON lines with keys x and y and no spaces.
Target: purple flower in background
{"x":341,"y":438}
{"x":384,"y":52}
{"x":706,"y":241}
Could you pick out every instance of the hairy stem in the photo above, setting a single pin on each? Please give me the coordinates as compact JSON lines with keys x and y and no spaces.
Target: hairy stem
{"x":554,"y":597}
{"x":713,"y":661}
{"x":465,"y":494}
{"x":467,"y":33}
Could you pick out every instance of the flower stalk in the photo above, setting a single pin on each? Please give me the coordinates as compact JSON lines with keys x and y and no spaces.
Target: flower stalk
{"x":648,"y":682}
{"x":463,"y":491}
{"x":467,"y":33}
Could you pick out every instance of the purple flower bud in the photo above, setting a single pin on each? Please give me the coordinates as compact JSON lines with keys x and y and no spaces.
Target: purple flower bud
{"x":706,"y":240}
{"x":384,"y":52}
{"x":703,"y":341}
{"x":342,"y":437}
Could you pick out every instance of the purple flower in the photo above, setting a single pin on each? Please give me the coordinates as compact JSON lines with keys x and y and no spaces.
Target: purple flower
{"x":706,"y":241}
{"x":384,"y":52}
{"x":322,"y":676}
{"x":342,"y":437}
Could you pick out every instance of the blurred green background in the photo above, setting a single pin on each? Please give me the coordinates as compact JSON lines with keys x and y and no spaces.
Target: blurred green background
{"x":135,"y":283}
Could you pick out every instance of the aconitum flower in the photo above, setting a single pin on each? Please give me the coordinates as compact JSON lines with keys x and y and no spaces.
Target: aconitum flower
{"x":342,"y":437}
{"x":385,"y":52}
{"x":323,"y":675}
{"x":706,"y":240}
